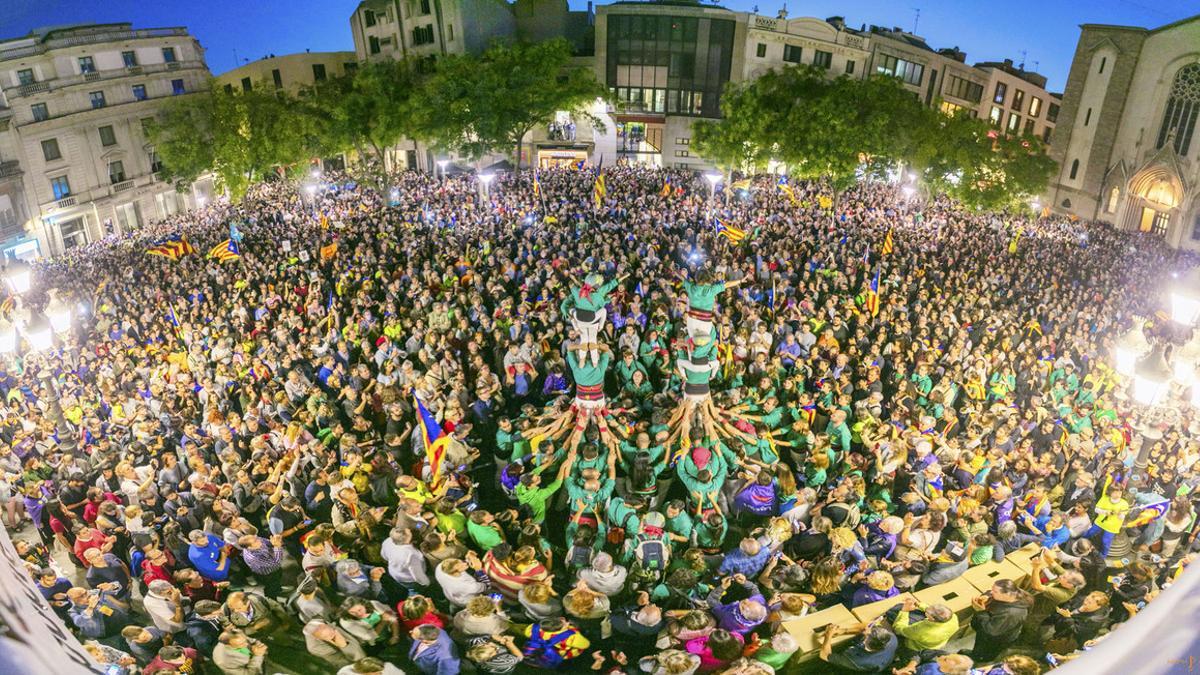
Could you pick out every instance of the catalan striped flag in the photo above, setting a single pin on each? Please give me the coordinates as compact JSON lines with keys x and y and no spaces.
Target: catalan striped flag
{"x":1015,"y":242}
{"x":787,"y":189}
{"x":1150,"y":513}
{"x":537,"y":185}
{"x":666,"y":188}
{"x":226,"y":251}
{"x":743,"y":184}
{"x":889,"y":246}
{"x":435,"y":441}
{"x":599,"y":190}
{"x":872,"y":302}
{"x":735,"y":235}
{"x":172,"y":248}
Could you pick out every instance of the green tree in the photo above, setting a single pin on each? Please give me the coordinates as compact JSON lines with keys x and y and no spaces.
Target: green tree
{"x":476,"y":105}
{"x":238,"y":136}
{"x":369,"y":112}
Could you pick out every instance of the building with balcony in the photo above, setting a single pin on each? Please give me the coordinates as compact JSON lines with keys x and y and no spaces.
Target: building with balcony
{"x":395,"y":29}
{"x":1017,"y":100}
{"x":1127,"y":140}
{"x":290,"y":72}
{"x":76,"y":162}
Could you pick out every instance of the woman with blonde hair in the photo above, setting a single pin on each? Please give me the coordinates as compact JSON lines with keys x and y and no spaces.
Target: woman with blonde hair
{"x":879,"y":586}
{"x":539,"y":601}
{"x":482,"y":616}
{"x":826,"y":582}
{"x":670,"y":662}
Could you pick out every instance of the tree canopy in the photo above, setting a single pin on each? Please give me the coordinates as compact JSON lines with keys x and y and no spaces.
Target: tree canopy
{"x":476,"y":105}
{"x":833,"y":129}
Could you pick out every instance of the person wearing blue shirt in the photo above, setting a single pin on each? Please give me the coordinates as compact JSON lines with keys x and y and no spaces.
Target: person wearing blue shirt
{"x":97,"y":614}
{"x":207,"y":554}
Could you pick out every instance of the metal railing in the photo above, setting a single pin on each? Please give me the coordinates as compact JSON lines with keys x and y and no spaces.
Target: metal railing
{"x":114,"y":74}
{"x":89,"y":39}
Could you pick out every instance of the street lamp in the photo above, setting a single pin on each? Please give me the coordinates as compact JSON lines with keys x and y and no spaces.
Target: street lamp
{"x":1184,"y":360}
{"x":39,"y":333}
{"x":59,"y":314}
{"x":1128,"y":349}
{"x":1185,"y":298}
{"x":200,"y":201}
{"x":908,"y":191}
{"x":485,"y":182}
{"x":1152,"y":379}
{"x":316,"y":173}
{"x":714,"y":179}
{"x":1036,"y":204}
{"x":20,"y":276}
{"x":8,"y":336}
{"x":442,"y":167}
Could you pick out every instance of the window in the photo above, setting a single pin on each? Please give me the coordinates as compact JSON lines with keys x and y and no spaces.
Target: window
{"x":994,"y":117}
{"x":177,"y":87}
{"x":682,"y":153}
{"x":449,"y":32}
{"x":25,"y":76}
{"x":960,"y":87}
{"x":683,"y":141}
{"x":1035,"y":106}
{"x":61,"y":187}
{"x":87,"y":65}
{"x":107,"y":136}
{"x":1183,"y":106}
{"x":1074,"y":169}
{"x":425,"y":10}
{"x":1018,"y":99}
{"x":247,"y":85}
{"x":97,"y":98}
{"x":1196,"y":227}
{"x":168,"y":54}
{"x":40,"y":112}
{"x":1052,"y":112}
{"x":373,"y":44}
{"x":318,"y":72}
{"x":1087,"y":117}
{"x":277,"y":78}
{"x":1028,"y":127}
{"x":155,"y":162}
{"x":950,"y":108}
{"x":1103,"y":62}
{"x":792,"y":53}
{"x":422,"y":35}
{"x":368,"y":18}
{"x":229,"y":89}
{"x":1046,"y":135}
{"x":350,"y":67}
{"x":1014,"y":123}
{"x":139,"y":92}
{"x":906,"y":71}
{"x":116,"y":172}
{"x":129,"y":58}
{"x":850,"y":67}
{"x":1001,"y":93}
{"x":823,"y":59}
{"x":1114,"y":195}
{"x":761,"y":50}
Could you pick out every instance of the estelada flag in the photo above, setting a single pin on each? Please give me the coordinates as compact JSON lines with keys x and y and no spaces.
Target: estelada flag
{"x":435,"y":441}
{"x":328,"y":251}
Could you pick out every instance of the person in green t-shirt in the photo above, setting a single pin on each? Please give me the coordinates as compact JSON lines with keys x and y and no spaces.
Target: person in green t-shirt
{"x":702,"y":299}
{"x":534,"y":496}
{"x":584,"y":308}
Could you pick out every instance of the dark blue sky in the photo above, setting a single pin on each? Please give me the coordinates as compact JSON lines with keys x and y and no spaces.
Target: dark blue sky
{"x":1046,"y":30}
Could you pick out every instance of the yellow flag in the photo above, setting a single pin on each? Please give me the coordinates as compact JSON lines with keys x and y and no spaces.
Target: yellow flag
{"x":329,"y":251}
{"x":824,"y":201}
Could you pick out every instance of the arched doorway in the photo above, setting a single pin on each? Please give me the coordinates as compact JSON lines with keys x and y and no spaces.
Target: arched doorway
{"x":1154,"y":195}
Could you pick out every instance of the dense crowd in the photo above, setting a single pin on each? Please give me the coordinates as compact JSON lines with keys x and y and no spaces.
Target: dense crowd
{"x":647,"y":447}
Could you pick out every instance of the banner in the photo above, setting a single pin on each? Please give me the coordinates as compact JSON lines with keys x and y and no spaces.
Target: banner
{"x":35,"y":640}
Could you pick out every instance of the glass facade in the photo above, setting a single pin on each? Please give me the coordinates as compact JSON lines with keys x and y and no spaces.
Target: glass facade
{"x":671,"y":65}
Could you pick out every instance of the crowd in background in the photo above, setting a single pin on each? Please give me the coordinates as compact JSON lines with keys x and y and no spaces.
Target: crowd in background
{"x":246,"y":486}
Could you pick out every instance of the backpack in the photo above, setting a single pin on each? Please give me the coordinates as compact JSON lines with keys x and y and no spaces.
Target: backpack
{"x":541,"y":652}
{"x":652,"y":554}
{"x":579,"y":556}
{"x":617,"y":535}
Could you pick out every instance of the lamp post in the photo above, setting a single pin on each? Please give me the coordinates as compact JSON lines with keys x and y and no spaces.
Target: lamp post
{"x":714,"y":179}
{"x":442,"y":168}
{"x":19,"y":276}
{"x":485,"y":185}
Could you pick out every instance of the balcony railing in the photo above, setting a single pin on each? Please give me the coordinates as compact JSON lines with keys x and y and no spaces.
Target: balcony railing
{"x":33,"y":88}
{"x":114,"y":74}
{"x":65,"y":202}
{"x":122,"y":186}
{"x":89,"y":39}
{"x":765,"y":23}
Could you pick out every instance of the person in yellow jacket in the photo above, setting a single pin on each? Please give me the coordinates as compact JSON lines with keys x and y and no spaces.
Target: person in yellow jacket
{"x":1110,"y":516}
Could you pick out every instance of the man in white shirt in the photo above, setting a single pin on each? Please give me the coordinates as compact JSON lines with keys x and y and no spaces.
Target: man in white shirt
{"x":458,"y":584}
{"x":406,"y":565}
{"x":163,"y":604}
